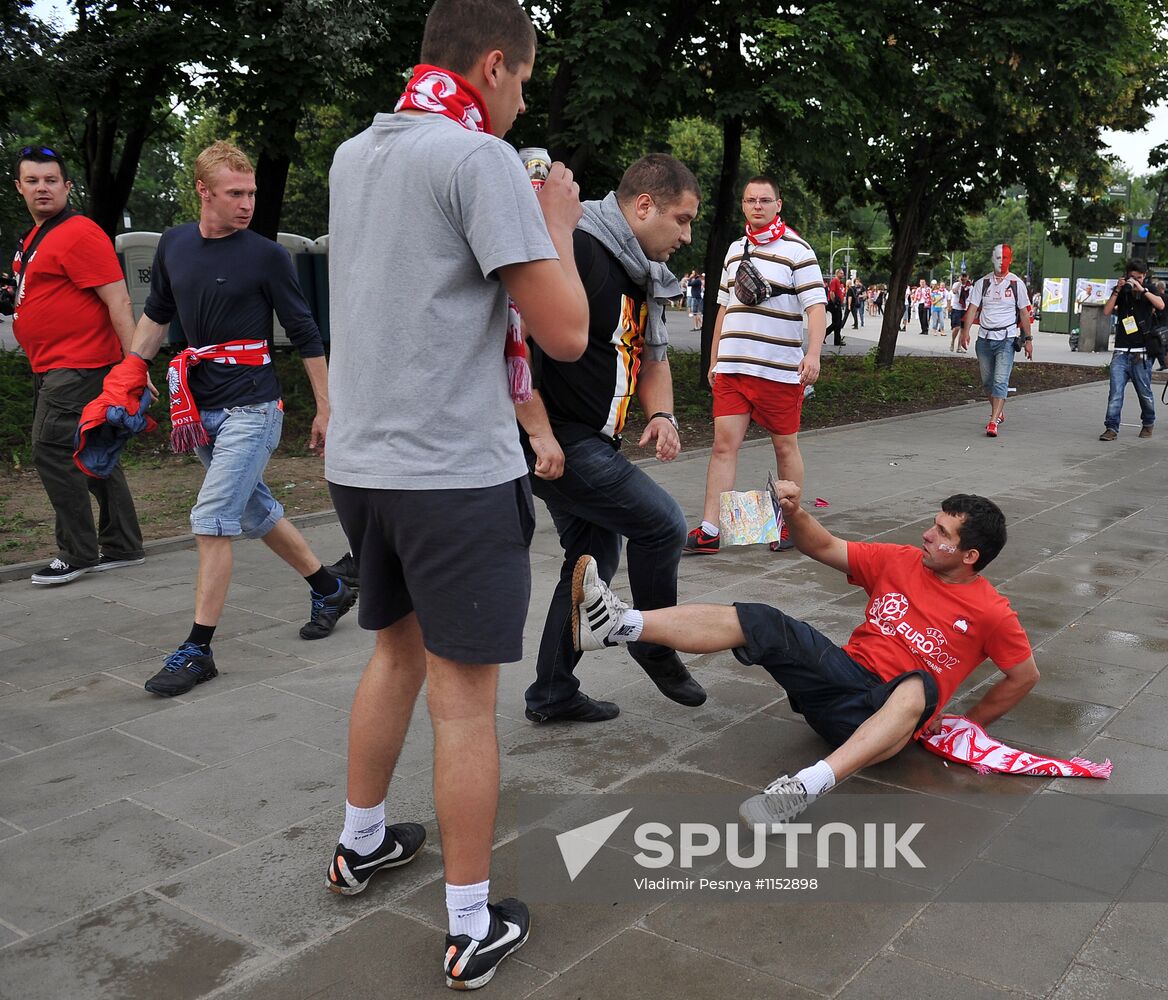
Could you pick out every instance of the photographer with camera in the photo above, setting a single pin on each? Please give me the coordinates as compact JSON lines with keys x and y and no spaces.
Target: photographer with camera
{"x":1134,"y":305}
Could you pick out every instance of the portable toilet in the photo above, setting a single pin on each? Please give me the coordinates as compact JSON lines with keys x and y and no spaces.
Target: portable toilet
{"x":136,"y":255}
{"x":320,"y":274}
{"x":301,"y":249}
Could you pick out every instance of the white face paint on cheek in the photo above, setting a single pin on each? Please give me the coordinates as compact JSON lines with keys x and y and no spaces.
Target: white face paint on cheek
{"x":946,"y":548}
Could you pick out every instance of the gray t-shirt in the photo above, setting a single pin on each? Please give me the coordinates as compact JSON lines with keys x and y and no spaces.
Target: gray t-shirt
{"x":422,"y":212}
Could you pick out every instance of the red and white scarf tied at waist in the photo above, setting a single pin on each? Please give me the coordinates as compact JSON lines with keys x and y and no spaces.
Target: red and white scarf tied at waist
{"x":442,"y":92}
{"x":966,"y":742}
{"x":186,"y":429}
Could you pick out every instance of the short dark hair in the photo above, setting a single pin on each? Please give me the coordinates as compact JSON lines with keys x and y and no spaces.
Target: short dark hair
{"x":1136,"y":264}
{"x":41,"y":154}
{"x":663,"y":177}
{"x":763,"y":179}
{"x":458,"y":32}
{"x":983,"y":526}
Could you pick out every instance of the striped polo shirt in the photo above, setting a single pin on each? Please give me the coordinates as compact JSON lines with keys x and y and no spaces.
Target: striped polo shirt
{"x":766,"y":340}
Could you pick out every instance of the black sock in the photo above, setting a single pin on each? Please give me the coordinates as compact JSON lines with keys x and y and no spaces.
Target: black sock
{"x":323,"y":582}
{"x":201,"y":635}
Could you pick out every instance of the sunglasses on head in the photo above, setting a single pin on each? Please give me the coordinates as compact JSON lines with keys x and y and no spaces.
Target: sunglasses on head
{"x":40,"y":150}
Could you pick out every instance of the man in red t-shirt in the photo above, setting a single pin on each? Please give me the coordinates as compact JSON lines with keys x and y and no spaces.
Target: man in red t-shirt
{"x":931,"y":619}
{"x":74,"y":320}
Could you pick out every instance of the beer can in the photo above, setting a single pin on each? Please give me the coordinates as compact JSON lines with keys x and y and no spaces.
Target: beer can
{"x":537,"y":163}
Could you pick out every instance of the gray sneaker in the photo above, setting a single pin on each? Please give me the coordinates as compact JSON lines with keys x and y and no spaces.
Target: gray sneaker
{"x":595,"y":608}
{"x":781,"y":801}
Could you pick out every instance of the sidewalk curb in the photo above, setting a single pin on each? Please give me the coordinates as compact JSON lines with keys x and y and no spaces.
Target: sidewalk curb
{"x":176,"y":542}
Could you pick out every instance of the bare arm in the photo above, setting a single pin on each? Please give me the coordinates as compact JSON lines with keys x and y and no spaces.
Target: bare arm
{"x":317,"y":369}
{"x":816,"y":335}
{"x":810,"y":537}
{"x":655,"y":391}
{"x":971,"y":314}
{"x":116,"y":298}
{"x":533,"y":418}
{"x":148,"y":337}
{"x":548,"y":293}
{"x":1014,"y":685}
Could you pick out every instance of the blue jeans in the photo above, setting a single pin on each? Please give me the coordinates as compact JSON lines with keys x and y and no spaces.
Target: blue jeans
{"x":1138,"y":369}
{"x":600,"y":500}
{"x":233,"y":499}
{"x":995,"y":358}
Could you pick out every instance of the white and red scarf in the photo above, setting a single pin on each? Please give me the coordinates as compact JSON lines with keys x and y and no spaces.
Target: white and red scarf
{"x":186,"y":429}
{"x":965,"y":742}
{"x":442,"y":92}
{"x":773,"y":231}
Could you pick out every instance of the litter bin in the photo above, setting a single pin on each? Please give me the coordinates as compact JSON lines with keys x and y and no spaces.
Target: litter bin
{"x":1094,"y":328}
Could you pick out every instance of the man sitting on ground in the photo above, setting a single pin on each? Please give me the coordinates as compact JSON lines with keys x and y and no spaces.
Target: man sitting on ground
{"x":931,"y":619}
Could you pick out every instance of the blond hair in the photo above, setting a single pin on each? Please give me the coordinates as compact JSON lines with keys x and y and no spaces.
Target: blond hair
{"x":221,"y":154}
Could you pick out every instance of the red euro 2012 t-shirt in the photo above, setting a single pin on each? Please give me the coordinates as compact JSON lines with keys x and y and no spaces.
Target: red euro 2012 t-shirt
{"x":60,"y":320}
{"x":915,"y":620}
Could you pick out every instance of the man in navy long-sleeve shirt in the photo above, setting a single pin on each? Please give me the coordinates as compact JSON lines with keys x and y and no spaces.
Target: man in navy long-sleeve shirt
{"x":223,"y":282}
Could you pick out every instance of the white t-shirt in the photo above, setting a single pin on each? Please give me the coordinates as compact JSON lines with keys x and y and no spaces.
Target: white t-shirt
{"x":998,"y":305}
{"x":766,"y":340}
{"x":422,"y":215}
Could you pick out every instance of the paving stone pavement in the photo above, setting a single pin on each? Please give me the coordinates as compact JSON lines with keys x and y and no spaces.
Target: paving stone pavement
{"x":157,"y":848}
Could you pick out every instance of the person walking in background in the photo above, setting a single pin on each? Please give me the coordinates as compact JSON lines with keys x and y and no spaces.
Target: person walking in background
{"x":938,"y":302}
{"x":837,"y":304}
{"x":921,"y":298}
{"x":74,"y":321}
{"x":959,"y":302}
{"x":998,"y":305}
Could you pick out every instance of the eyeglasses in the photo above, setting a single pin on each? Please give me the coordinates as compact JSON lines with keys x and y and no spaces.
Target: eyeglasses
{"x":758,"y":201}
{"x":40,"y":150}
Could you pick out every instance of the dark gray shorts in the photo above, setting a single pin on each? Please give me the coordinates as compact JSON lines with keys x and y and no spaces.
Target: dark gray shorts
{"x":833,"y":692}
{"x":458,"y":559}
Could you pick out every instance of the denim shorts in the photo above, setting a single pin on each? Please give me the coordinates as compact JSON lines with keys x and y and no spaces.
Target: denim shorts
{"x":995,"y":359}
{"x":233,"y":499}
{"x":458,"y":559}
{"x":833,"y":692}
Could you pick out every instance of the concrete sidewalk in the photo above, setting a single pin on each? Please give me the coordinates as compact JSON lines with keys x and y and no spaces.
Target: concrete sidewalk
{"x":157,"y":848}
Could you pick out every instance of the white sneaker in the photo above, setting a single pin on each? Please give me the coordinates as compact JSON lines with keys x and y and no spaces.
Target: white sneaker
{"x":781,"y":801}
{"x":596,"y":610}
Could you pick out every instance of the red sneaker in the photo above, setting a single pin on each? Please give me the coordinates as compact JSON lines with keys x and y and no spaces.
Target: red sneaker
{"x":991,"y":430}
{"x":784,"y":543}
{"x":697,"y":542}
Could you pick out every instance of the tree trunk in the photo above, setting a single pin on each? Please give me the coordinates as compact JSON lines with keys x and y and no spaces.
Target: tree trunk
{"x":271,"y":179}
{"x":907,"y":232}
{"x":722,"y":233}
{"x":108,"y":189}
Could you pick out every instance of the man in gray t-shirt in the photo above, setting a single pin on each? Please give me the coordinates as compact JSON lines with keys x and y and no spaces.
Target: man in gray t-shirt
{"x":433,"y":226}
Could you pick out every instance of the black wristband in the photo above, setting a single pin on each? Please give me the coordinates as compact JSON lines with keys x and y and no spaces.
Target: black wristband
{"x":668,"y":416}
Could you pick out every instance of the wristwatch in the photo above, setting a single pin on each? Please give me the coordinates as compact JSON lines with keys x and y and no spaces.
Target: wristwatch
{"x":668,"y":416}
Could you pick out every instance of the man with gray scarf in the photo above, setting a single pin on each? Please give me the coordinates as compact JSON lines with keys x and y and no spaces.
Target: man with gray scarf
{"x":572,"y":430}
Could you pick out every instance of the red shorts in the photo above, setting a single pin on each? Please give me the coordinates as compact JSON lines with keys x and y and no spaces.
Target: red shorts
{"x":774,"y":406}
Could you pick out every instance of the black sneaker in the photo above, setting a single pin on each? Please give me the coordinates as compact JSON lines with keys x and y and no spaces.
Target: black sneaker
{"x":58,"y":571}
{"x":327,"y":610}
{"x":345,"y":569}
{"x":349,"y":872}
{"x":185,"y":667}
{"x":116,"y":562}
{"x":470,"y":964}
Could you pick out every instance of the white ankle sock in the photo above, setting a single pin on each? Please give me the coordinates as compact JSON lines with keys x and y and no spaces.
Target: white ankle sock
{"x":364,"y":828}
{"x":466,"y":909}
{"x":628,"y":627}
{"x":817,"y":779}
{"x":711,"y":530}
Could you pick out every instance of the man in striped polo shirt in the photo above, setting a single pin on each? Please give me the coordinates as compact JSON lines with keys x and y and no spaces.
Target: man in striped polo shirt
{"x":759,"y":370}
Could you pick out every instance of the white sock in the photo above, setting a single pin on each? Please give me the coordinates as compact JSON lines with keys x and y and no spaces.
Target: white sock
{"x":466,"y":909}
{"x":628,"y":627}
{"x":711,"y":530}
{"x":364,"y":828}
{"x":817,"y":779}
